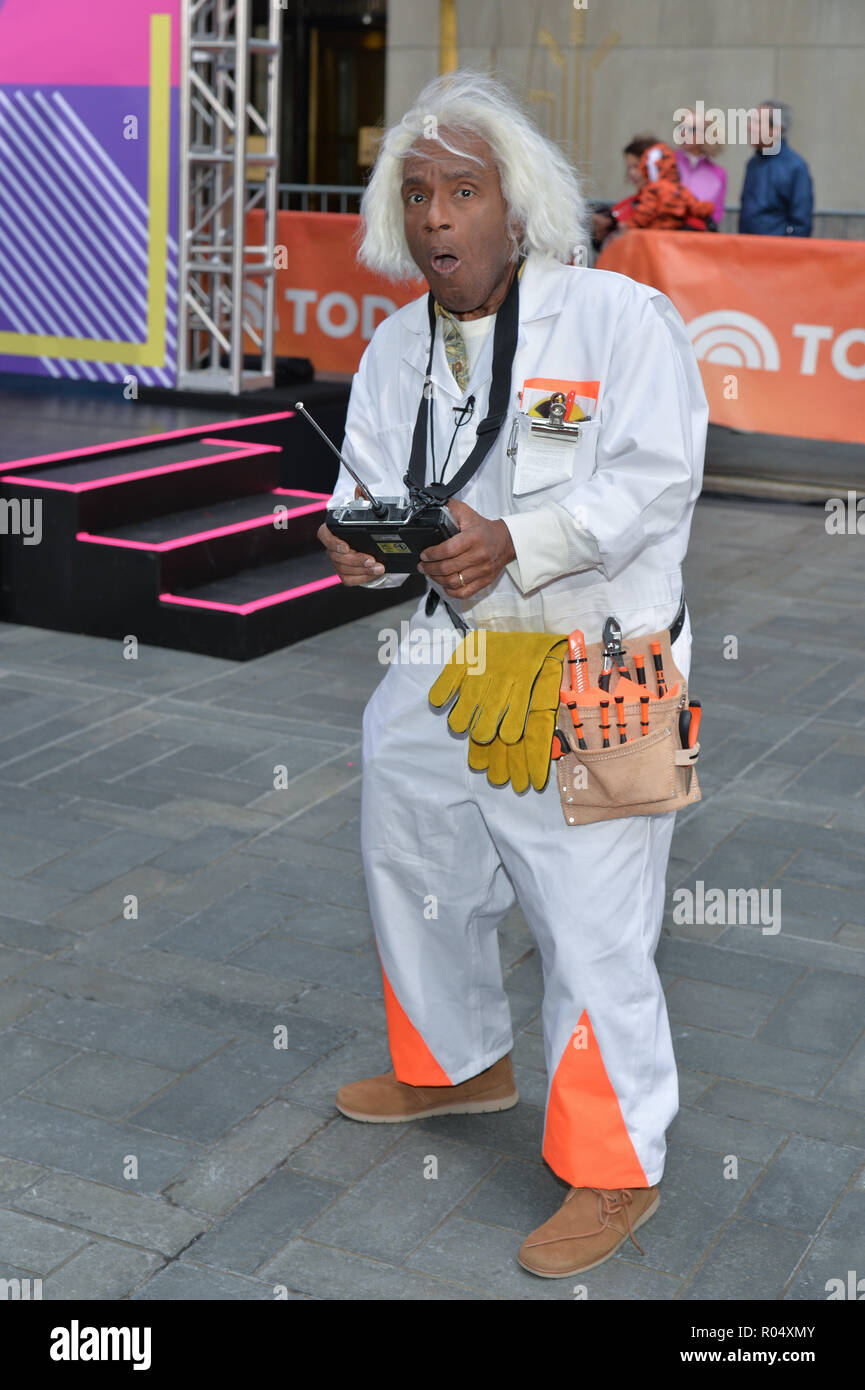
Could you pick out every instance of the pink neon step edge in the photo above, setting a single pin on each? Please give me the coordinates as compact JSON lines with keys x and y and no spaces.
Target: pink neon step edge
{"x":243,"y":451}
{"x":149,"y":438}
{"x":252,"y":523}
{"x":251,"y":607}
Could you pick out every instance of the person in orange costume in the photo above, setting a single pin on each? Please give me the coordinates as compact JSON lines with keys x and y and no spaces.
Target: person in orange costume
{"x":663,"y":202}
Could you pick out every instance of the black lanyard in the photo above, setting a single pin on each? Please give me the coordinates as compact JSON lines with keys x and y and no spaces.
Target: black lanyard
{"x":464,"y":414}
{"x":504,"y":350}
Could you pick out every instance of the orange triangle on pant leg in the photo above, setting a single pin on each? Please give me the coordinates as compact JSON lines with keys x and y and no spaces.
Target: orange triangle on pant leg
{"x":586,"y":1140}
{"x":413,"y":1063}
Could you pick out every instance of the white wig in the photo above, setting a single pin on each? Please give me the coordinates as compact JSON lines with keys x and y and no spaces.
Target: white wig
{"x":547,"y":212}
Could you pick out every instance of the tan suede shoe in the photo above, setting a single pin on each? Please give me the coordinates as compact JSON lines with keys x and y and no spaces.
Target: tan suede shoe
{"x":588,"y":1228}
{"x":384,"y":1100}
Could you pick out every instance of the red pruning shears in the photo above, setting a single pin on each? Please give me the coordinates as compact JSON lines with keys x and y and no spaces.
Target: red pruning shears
{"x":614,"y":653}
{"x":689,"y":723}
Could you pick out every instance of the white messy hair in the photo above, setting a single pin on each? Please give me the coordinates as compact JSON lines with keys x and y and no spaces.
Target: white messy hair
{"x":539,"y":185}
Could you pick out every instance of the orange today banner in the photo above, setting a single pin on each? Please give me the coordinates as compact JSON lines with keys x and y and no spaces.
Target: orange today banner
{"x":327,"y":306}
{"x":777,"y":324}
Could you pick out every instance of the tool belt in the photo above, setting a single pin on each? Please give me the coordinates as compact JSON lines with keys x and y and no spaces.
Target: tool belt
{"x":538,"y":696}
{"x":655,"y":770}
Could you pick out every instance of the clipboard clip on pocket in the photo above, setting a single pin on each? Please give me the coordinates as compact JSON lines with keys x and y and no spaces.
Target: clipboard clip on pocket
{"x":546,"y":457}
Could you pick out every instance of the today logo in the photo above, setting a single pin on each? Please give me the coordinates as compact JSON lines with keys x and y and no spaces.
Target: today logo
{"x":336,"y":315}
{"x":732,"y":338}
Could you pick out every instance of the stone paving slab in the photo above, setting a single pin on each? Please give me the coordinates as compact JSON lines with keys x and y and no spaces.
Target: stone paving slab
{"x":152,"y":1034}
{"x":150,"y":1222}
{"x":262,"y":1223}
{"x":182,"y":1283}
{"x":833,"y":1255}
{"x":324,"y":1272}
{"x":393,"y":1207}
{"x":228,"y":1169}
{"x":739,"y":1011}
{"x":69,"y":1141}
{"x":802,"y":1185}
{"x":128,"y":1032}
{"x":748,"y":1261}
{"x":24,"y":1059}
{"x":210,"y":1100}
{"x":36,"y":1246}
{"x":98,"y":1084}
{"x":103,"y":1270}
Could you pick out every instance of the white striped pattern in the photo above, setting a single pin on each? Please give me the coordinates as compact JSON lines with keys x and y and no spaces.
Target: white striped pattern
{"x":76,"y":229}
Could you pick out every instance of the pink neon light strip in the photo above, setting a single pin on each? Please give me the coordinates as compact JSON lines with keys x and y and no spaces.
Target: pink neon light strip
{"x":255,"y":604}
{"x":246,"y":451}
{"x":240,"y":444}
{"x":268,"y":519}
{"x":148,"y":439}
{"x":300,"y":492}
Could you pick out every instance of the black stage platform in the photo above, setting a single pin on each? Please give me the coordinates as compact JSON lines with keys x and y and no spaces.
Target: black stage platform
{"x":158,"y":521}
{"x":41,"y":416}
{"x":186,"y":523}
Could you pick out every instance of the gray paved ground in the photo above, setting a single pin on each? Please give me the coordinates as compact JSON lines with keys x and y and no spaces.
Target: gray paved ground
{"x":157,"y":1145}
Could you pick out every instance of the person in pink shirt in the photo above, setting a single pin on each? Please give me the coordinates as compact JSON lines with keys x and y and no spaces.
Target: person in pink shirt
{"x":698,"y":172}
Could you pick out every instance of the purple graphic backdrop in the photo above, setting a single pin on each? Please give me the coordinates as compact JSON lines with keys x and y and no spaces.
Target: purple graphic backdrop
{"x":73,"y":199}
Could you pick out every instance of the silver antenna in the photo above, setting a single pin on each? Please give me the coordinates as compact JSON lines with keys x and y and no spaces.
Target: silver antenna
{"x":378,"y":507}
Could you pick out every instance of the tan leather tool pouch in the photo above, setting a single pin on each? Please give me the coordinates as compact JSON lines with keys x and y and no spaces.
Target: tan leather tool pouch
{"x":651,"y":772}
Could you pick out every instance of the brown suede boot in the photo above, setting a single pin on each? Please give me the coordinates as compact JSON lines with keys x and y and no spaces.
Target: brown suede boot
{"x":588,"y":1228}
{"x":384,"y":1100}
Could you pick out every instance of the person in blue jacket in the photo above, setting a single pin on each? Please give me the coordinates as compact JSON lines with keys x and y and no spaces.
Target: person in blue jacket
{"x":777,"y":195}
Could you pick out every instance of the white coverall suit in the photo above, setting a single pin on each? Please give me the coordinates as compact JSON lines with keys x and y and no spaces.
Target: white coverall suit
{"x":444,"y":851}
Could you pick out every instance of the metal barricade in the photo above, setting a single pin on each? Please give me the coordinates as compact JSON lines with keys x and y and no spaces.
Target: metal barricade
{"x":844,"y":224}
{"x":320,"y":197}
{"x":837,"y":224}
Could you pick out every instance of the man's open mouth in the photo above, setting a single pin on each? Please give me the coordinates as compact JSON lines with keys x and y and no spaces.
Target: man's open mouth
{"x":445,"y":262}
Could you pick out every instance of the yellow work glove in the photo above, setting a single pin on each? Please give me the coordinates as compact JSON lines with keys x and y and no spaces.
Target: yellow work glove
{"x":497,"y":703}
{"x":494,"y":685}
{"x":528,"y":760}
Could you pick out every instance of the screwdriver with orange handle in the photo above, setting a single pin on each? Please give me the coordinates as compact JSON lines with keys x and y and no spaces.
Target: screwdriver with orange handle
{"x":641,"y":684}
{"x":644,"y":714}
{"x":567,"y":698}
{"x":659,"y":669}
{"x":605,"y":723}
{"x":621,"y":723}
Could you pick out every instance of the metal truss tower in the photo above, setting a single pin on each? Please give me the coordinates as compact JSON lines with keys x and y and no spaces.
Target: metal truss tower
{"x":229,"y":166}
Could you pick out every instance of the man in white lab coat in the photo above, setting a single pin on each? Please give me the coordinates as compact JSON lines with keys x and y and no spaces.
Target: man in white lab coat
{"x":468,"y":191}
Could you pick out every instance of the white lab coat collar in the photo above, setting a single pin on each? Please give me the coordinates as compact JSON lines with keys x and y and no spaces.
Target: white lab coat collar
{"x":540,"y":297}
